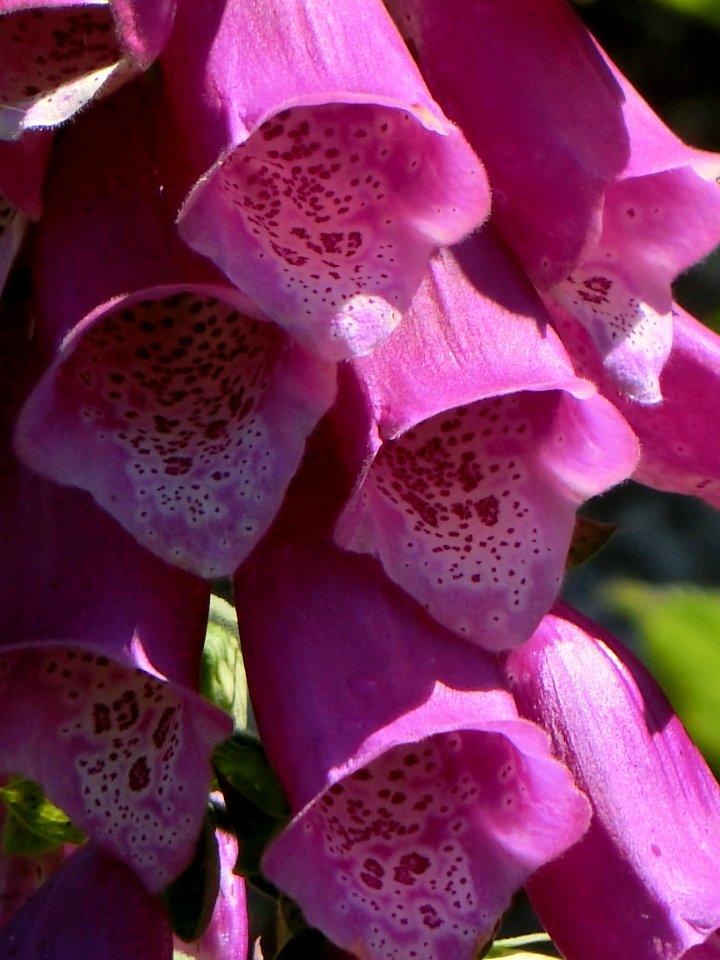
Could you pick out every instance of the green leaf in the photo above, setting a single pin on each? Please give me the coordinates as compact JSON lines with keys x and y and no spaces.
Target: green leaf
{"x":254,"y":800}
{"x":190,"y":899}
{"x":242,"y":761}
{"x":34,"y":825}
{"x":222,"y":673}
{"x":679,"y":631}
{"x":589,"y":537}
{"x":512,"y":948}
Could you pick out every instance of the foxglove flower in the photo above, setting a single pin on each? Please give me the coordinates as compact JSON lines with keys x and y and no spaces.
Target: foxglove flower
{"x":679,"y":452}
{"x":328,"y":172}
{"x":421,"y":801}
{"x":480,"y":444}
{"x":643,"y":881}
{"x":601,"y":202}
{"x":170,"y":397}
{"x":93,"y":906}
{"x":58,"y":55}
{"x":99,"y":658}
{"x":22,"y":167}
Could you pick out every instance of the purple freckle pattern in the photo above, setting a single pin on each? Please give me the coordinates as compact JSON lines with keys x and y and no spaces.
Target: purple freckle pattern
{"x":175,"y":384}
{"x":458,"y":481}
{"x":44,"y":49}
{"x":125,"y":731}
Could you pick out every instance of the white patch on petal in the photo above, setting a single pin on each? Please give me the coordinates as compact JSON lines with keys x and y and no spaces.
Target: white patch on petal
{"x":633,"y":339}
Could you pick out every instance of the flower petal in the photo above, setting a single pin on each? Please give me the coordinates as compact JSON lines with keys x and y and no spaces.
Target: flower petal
{"x":588,"y":183}
{"x":92,"y":906}
{"x":649,"y":860}
{"x":471,"y":509}
{"x":330,"y":177}
{"x":60,"y":54}
{"x":679,"y":451}
{"x":421,"y":800}
{"x":122,"y":753}
{"x":178,"y":405}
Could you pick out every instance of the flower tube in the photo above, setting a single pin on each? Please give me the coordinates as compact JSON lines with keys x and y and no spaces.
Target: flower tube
{"x":93,"y":905}
{"x":480,"y":444}
{"x":643,"y":881}
{"x":601,"y":202}
{"x":100,"y":646}
{"x":169,"y":396}
{"x":421,"y":801}
{"x":328,"y":172}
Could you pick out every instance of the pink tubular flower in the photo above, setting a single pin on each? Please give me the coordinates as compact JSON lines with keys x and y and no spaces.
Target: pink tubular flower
{"x":99,"y":659}
{"x":643,"y":881}
{"x":329,"y":172}
{"x":679,"y":449}
{"x":93,"y":906}
{"x":170,"y":397}
{"x":58,"y":55}
{"x":601,"y":202}
{"x":481,"y":442}
{"x":421,"y":801}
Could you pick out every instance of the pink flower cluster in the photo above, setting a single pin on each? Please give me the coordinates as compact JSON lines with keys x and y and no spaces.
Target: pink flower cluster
{"x":355,"y":304}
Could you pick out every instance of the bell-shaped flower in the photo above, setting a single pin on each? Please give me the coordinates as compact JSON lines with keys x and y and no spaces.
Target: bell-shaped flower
{"x":22,"y":167}
{"x":480,"y":444}
{"x":170,"y":396}
{"x":58,"y":55}
{"x":92,"y":906}
{"x":100,"y":646}
{"x":421,"y":800}
{"x":642,"y":882}
{"x":328,"y":172}
{"x":601,"y":202}
{"x":679,"y":438}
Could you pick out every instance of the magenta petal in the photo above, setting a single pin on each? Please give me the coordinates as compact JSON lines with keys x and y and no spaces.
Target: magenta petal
{"x":183,"y":415}
{"x":332,"y":173}
{"x":421,"y":800}
{"x":93,"y":906}
{"x":643,"y":880}
{"x":226,"y":938}
{"x":178,"y":405}
{"x":123,"y":753}
{"x":60,"y":54}
{"x":69,"y":572}
{"x":588,"y":184}
{"x":679,"y":450}
{"x":481,"y":445}
{"x":550,"y":146}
